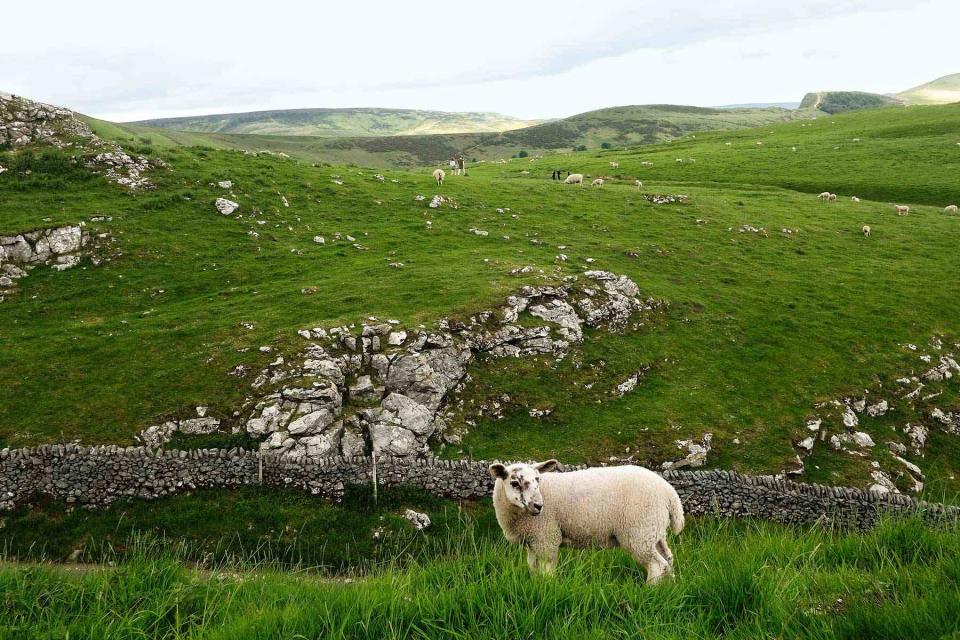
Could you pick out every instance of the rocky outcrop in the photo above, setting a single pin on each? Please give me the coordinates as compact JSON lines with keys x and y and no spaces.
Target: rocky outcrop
{"x":59,"y":247}
{"x":25,"y":122}
{"x":384,"y":389}
{"x":842,"y":422}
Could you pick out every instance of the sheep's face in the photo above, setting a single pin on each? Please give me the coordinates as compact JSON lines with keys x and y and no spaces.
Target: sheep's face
{"x":521,"y":483}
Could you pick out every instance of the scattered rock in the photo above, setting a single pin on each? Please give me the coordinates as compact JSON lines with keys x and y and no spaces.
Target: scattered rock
{"x":226,"y":207}
{"x":878,"y":409}
{"x":696,"y":456}
{"x":862,"y":439}
{"x":419,"y":521}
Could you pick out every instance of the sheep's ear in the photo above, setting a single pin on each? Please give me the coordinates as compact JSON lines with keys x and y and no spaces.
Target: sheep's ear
{"x":547,"y":466}
{"x":498,"y":470}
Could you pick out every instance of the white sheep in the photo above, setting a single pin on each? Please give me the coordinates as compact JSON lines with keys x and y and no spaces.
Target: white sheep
{"x":854,"y":199}
{"x":866,"y":230}
{"x":639,"y":184}
{"x":902,"y":209}
{"x":627,"y":506}
{"x":832,"y":197}
{"x":824,"y":195}
{"x":597,"y":182}
{"x":950,"y":208}
{"x":574,"y":178}
{"x":439,"y":175}
{"x":615,"y":165}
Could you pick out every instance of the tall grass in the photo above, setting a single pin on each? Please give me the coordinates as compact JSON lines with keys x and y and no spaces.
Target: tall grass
{"x":735,"y":580}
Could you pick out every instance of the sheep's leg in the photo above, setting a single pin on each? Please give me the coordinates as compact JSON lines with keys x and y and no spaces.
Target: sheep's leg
{"x":665,"y":552}
{"x":532,"y":561}
{"x":542,"y":561}
{"x":655,"y":564}
{"x":656,"y":567}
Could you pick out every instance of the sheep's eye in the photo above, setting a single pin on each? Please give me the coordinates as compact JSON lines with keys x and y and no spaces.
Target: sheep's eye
{"x":515,"y":484}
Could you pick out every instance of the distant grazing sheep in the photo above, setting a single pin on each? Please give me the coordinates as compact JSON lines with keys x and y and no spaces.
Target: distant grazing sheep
{"x":574,"y":178}
{"x":680,"y":160}
{"x":854,"y":199}
{"x":627,"y":506}
{"x":950,"y":208}
{"x":639,"y":184}
{"x":439,"y":175}
{"x":902,"y":209}
{"x":615,"y":165}
{"x":824,"y":195}
{"x":597,"y":182}
{"x":866,"y":230}
{"x":832,"y":197}
{"x":794,"y":149}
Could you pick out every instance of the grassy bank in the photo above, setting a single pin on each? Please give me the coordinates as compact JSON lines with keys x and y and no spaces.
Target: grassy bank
{"x":743,"y":580}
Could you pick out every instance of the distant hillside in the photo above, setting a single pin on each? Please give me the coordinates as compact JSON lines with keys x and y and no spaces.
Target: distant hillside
{"x":839,"y":101}
{"x":941,"y":91}
{"x":342,"y":122}
{"x":612,"y":127}
{"x":640,"y":124}
{"x":760,"y":105}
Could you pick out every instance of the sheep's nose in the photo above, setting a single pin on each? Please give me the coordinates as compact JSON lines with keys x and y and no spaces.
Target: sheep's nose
{"x":537,"y":507}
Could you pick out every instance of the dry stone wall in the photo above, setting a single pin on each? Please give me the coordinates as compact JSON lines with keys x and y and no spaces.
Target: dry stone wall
{"x":98,"y":476}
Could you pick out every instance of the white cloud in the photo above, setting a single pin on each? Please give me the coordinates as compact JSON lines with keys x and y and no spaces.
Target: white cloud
{"x":528,"y":59}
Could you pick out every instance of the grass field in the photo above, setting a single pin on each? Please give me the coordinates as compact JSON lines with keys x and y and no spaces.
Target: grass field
{"x":899,"y":581}
{"x":759,"y":330}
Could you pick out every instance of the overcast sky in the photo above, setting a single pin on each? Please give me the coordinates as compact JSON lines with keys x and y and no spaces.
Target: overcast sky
{"x":128,"y":60}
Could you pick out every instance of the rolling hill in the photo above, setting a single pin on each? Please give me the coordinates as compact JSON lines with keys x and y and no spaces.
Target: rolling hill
{"x":613,"y":127}
{"x":342,"y":122}
{"x":940,"y":91}
{"x":839,"y":101}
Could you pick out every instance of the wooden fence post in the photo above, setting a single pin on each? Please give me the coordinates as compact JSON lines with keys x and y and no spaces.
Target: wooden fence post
{"x":373,"y":457}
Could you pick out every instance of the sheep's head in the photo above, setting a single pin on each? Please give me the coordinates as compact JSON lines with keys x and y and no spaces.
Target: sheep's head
{"x":521,"y":483}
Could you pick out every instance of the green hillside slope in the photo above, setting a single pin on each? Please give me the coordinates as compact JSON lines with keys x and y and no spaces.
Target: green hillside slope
{"x":761,"y":327}
{"x":940,"y":91}
{"x":839,"y":101}
{"x":884,"y":154}
{"x":342,"y":122}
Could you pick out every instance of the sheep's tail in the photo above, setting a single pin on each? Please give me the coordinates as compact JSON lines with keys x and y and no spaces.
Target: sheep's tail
{"x":676,"y":513}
